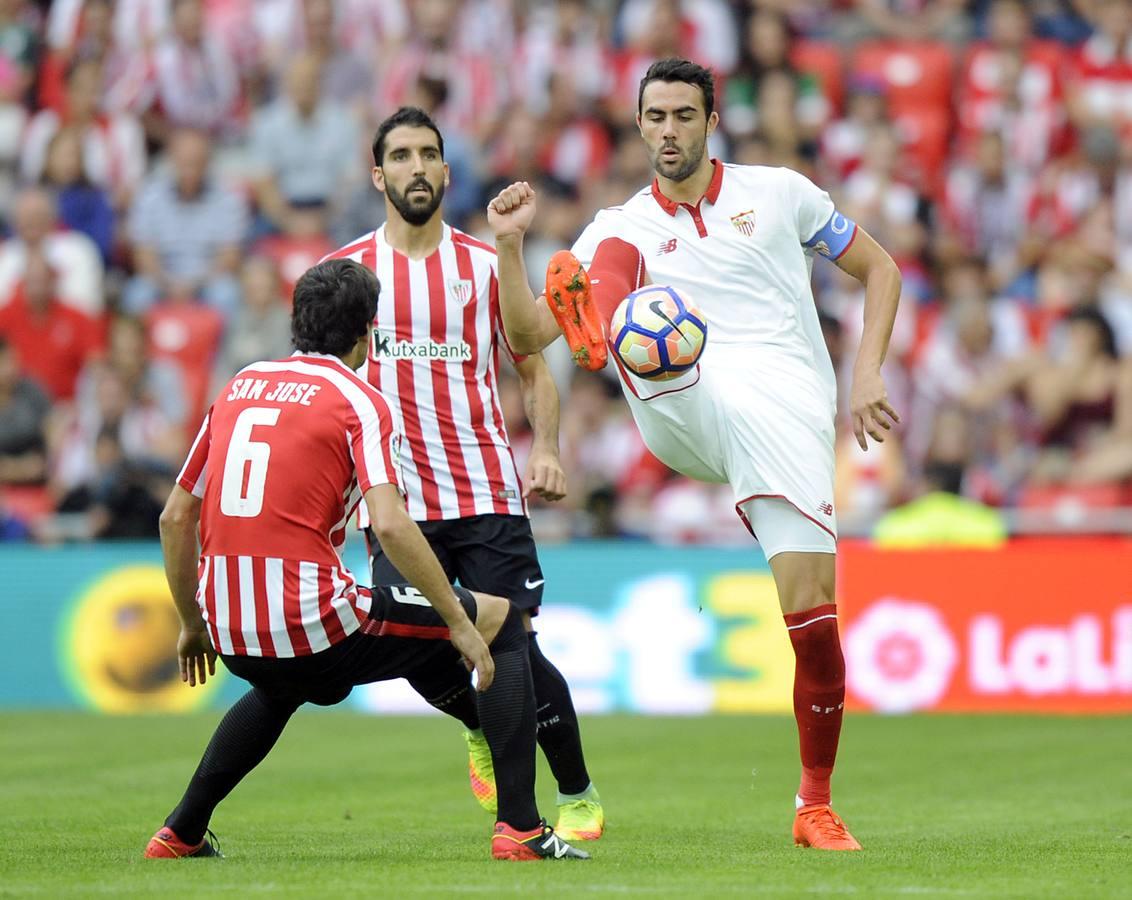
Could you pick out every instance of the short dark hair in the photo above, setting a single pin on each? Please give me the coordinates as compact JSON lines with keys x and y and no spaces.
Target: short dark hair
{"x":334,"y":304}
{"x":413,"y":117}
{"x":683,"y":70}
{"x":1103,"y":328}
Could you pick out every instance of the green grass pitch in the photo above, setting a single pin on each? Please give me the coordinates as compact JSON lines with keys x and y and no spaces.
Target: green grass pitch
{"x":350,"y":805}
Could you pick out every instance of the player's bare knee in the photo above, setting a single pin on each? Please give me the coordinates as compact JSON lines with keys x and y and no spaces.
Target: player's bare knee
{"x":491,"y":612}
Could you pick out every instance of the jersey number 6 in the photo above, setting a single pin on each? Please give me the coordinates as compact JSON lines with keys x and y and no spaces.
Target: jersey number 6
{"x":236,"y":500}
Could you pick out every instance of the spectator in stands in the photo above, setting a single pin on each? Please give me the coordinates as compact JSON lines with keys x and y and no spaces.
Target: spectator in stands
{"x":1011,"y":84}
{"x":471,"y":85}
{"x":765,"y":53}
{"x":192,"y":80}
{"x":1101,"y":76}
{"x":984,"y":210}
{"x":83,"y":207}
{"x":881,"y":201}
{"x":52,"y":339}
{"x":261,"y":328}
{"x":912,"y":20}
{"x":13,"y":118}
{"x":23,"y":414}
{"x":561,"y":38}
{"x":1109,"y":459}
{"x":347,"y":75}
{"x":148,"y":382}
{"x":186,"y":229}
{"x":19,"y":47}
{"x":575,"y":146}
{"x":706,"y":28}
{"x":113,"y":145}
{"x":843,"y":140}
{"x":73,"y":255}
{"x":1073,"y":394}
{"x":304,"y":148}
{"x":109,"y":456}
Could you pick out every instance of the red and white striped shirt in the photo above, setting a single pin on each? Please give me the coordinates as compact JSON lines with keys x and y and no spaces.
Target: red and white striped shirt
{"x":434,"y":357}
{"x":284,"y":456}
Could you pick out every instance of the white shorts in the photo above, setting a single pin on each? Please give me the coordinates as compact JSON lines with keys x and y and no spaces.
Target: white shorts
{"x":765,"y":427}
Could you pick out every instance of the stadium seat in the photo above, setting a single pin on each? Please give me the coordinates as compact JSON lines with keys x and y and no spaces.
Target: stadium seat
{"x":925,"y":134}
{"x":188,"y":335}
{"x":1052,"y":497}
{"x":822,"y":60}
{"x":917,"y":75}
{"x":27,"y":503}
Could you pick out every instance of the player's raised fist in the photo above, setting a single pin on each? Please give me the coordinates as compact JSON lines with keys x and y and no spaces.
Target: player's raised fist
{"x":512,"y":210}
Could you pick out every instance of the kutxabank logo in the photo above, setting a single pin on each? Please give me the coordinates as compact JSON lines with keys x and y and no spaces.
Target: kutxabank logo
{"x":385,"y":346}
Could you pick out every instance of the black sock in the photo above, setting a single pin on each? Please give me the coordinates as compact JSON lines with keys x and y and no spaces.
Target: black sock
{"x":558,"y":733}
{"x":460,"y":703}
{"x":242,"y":739}
{"x":507,"y":711}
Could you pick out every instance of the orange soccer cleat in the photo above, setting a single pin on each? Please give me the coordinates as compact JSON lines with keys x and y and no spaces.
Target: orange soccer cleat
{"x":166,"y":845}
{"x":530,"y":846}
{"x":569,"y":299}
{"x":821,"y":828}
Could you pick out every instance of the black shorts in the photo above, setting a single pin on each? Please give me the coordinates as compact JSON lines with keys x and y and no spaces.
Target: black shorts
{"x":404,"y":637}
{"x":491,"y":553}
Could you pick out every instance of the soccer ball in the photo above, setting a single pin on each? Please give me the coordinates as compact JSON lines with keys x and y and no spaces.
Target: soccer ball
{"x":658,"y":333}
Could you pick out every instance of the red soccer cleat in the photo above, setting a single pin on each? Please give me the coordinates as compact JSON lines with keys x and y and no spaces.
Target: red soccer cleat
{"x":530,"y":846}
{"x":570,"y":301}
{"x":166,"y":845}
{"x":821,"y":828}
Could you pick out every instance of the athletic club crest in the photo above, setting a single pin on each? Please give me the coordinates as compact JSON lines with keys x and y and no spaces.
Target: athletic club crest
{"x":460,"y":290}
{"x":744,"y":222}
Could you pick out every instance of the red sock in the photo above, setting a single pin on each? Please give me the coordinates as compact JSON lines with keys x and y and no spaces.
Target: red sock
{"x":617,"y":270}
{"x":819,"y":696}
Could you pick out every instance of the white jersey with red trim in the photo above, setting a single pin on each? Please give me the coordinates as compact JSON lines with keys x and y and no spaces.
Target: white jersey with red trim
{"x":284,"y":456}
{"x":434,"y":357}
{"x":758,"y":411}
{"x":743,"y":254}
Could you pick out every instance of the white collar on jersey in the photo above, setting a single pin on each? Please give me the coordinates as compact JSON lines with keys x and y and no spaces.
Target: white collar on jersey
{"x":311,"y":355}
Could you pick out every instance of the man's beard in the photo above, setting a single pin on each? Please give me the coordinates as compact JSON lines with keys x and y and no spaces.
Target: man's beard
{"x":412,"y":213}
{"x":690,"y":164}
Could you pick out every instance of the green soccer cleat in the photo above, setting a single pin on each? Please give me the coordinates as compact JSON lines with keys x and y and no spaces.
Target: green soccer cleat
{"x":481,"y":771}
{"x":581,"y":820}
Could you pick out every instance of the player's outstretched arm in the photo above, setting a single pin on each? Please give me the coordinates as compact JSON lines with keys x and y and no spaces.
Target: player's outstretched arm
{"x":408,"y":550}
{"x":529,"y":325}
{"x":867,"y":261}
{"x":178,"y":524}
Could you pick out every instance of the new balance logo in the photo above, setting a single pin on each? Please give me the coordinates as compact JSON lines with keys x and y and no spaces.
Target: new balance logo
{"x":825,"y":508}
{"x":555,"y":844}
{"x":666,"y":247}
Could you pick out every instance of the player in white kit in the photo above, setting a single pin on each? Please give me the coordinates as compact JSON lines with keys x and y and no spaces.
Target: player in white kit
{"x":758,"y":410}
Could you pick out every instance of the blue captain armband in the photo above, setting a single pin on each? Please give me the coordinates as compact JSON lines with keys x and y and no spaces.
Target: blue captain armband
{"x":834,"y":237}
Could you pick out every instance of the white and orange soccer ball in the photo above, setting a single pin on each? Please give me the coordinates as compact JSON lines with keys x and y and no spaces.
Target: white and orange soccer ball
{"x":658,"y":333}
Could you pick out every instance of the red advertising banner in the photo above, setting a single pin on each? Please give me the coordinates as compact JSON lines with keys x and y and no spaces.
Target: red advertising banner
{"x":1040,"y":625}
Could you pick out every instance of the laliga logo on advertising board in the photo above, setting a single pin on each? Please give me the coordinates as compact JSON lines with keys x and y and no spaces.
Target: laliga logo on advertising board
{"x":1048,"y":659}
{"x":901,"y":656}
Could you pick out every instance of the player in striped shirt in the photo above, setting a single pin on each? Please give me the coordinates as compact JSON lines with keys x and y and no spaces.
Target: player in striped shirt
{"x":286,"y":453}
{"x":434,"y":356}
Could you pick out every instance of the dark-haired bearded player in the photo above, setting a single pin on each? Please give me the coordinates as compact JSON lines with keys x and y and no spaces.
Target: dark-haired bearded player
{"x":758,"y":411}
{"x":437,"y":340}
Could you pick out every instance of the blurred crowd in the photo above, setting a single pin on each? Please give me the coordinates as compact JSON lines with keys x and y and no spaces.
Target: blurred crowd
{"x":168,"y":168}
